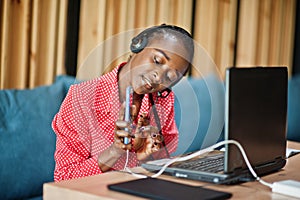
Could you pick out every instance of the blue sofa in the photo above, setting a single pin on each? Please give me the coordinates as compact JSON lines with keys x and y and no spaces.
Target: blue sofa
{"x":27,"y":141}
{"x":293,"y":128}
{"x":199,"y":112}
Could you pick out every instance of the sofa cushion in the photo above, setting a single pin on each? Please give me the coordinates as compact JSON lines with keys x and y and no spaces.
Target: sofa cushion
{"x":293,"y":130}
{"x":199,"y":112}
{"x":27,"y":142}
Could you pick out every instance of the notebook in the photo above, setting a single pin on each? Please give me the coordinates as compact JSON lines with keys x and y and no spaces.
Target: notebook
{"x":160,"y":189}
{"x":256,"y":117}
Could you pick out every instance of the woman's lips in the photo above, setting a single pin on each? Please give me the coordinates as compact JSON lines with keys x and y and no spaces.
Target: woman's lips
{"x":147,"y":83}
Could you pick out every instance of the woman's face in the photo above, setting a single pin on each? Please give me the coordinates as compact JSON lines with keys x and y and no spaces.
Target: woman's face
{"x":157,"y":67}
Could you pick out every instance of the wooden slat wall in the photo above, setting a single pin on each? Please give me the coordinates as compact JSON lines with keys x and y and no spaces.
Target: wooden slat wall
{"x":265,"y":29}
{"x":214,"y":30}
{"x":32,"y":42}
{"x":266,"y":33}
{"x":61,"y":37}
{"x":100,"y":20}
{"x":47,"y":41}
{"x":32,"y":34}
{"x":14,"y":42}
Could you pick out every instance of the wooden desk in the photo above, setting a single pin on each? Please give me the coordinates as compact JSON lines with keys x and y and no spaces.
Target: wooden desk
{"x":95,"y":187}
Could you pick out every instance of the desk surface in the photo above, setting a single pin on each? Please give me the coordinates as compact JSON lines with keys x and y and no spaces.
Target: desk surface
{"x":95,"y":187}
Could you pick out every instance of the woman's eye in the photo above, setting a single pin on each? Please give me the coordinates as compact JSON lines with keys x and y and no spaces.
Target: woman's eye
{"x":156,"y":60}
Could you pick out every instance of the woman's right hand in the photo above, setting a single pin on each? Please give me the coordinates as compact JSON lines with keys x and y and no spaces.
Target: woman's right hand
{"x":123,"y":129}
{"x":109,"y":156}
{"x":122,"y":132}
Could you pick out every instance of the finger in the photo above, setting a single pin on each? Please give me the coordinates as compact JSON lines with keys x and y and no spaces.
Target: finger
{"x":121,"y":133}
{"x":155,"y":147}
{"x":122,"y":124}
{"x":145,"y":119}
{"x":138,"y":142}
{"x":147,"y":132}
{"x":133,"y":111}
{"x":142,"y":135}
{"x":121,"y":145}
{"x":157,"y":138}
{"x":118,"y":142}
{"x":148,"y":149}
{"x":127,"y":146}
{"x":140,"y":122}
{"x":142,"y":119}
{"x":152,"y":129}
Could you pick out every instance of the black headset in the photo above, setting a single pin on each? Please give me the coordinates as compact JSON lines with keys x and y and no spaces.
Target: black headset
{"x":139,"y":42}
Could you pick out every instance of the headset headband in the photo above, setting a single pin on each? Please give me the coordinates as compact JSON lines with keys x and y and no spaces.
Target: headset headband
{"x":139,"y":42}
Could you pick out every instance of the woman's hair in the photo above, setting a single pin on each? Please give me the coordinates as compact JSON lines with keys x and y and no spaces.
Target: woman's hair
{"x":139,"y":42}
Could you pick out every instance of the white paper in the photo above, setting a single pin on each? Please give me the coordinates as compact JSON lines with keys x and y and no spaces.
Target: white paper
{"x":291,"y":152}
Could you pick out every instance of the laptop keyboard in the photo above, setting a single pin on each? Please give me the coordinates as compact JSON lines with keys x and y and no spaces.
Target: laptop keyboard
{"x":212,"y":163}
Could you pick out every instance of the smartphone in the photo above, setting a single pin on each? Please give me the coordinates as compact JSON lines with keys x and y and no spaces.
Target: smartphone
{"x":127,"y":110}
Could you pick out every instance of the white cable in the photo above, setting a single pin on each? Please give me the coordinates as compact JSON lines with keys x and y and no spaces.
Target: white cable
{"x":127,"y":158}
{"x":128,"y":170}
{"x":198,"y":153}
{"x":135,"y":174}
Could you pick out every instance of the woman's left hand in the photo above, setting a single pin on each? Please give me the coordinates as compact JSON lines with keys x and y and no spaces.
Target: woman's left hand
{"x":147,"y":139}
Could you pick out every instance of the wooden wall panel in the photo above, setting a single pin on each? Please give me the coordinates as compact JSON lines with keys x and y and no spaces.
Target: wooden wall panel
{"x":91,"y":32}
{"x":103,"y":46}
{"x":287,"y":34}
{"x":226,"y":35}
{"x":61,"y":37}
{"x":14,"y":43}
{"x":214,"y":30}
{"x":32,"y":38}
{"x":264,"y":24}
{"x":247,"y":33}
{"x":32,"y":42}
{"x":44,"y":29}
{"x":266,"y":33}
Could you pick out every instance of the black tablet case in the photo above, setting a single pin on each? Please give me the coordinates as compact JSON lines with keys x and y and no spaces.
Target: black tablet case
{"x":154,"y":188}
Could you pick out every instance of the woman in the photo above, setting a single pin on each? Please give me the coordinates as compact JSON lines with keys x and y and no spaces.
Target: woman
{"x":90,"y":126}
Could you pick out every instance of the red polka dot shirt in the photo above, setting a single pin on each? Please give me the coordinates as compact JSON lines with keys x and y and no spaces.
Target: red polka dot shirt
{"x":85,"y":124}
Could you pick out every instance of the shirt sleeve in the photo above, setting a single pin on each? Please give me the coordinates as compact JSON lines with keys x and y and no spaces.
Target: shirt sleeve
{"x":73,"y":157}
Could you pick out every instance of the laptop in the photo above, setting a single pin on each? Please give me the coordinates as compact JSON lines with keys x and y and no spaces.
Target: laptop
{"x":256,"y":117}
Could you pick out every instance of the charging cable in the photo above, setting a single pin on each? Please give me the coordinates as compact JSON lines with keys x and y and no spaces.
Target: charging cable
{"x":198,"y":153}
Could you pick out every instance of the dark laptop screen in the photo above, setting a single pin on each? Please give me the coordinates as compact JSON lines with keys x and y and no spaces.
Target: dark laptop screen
{"x":256,"y":111}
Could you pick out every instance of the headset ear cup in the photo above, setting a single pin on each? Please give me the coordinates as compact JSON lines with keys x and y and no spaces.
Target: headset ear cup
{"x":138,"y":44}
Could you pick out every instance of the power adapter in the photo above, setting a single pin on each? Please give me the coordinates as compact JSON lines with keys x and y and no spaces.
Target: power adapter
{"x":287,"y":187}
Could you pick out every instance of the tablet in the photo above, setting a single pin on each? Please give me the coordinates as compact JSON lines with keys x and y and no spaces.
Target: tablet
{"x":154,"y":188}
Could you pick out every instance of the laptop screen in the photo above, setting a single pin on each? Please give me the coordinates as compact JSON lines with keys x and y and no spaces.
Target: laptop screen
{"x":255,"y":116}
